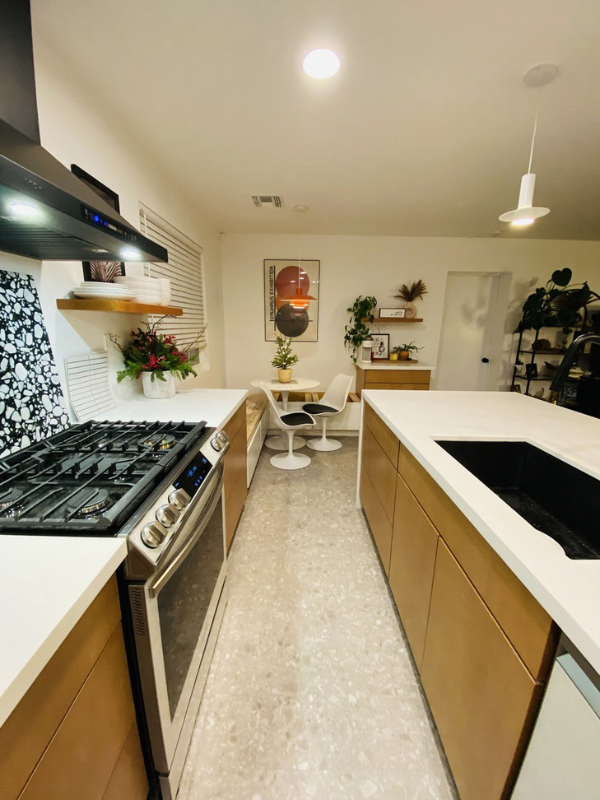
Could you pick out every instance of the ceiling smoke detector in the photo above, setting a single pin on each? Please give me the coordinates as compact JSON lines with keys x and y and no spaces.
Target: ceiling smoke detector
{"x":267,"y":200}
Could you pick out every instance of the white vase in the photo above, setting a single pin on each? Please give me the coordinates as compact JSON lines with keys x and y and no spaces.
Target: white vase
{"x":411,"y":310}
{"x":157,"y":389}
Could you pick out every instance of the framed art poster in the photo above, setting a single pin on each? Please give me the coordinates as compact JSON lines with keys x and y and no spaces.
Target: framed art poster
{"x":292,"y":299}
{"x":381,"y":346}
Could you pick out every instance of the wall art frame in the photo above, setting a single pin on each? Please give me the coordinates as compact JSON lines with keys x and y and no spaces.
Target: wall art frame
{"x":291,"y":298}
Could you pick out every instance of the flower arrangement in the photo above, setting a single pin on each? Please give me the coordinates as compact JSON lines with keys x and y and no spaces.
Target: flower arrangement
{"x":413,"y":292}
{"x":154,"y":352}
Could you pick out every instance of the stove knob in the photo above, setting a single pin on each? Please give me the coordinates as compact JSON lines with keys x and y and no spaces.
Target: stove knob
{"x":217,"y":444}
{"x":153,"y":534}
{"x":180,"y":499}
{"x":167,"y":515}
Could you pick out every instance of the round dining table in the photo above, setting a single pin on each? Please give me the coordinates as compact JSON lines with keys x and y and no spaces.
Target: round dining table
{"x":296,"y":385}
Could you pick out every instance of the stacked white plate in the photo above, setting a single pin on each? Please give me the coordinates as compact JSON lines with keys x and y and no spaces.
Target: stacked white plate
{"x":147,"y":290}
{"x":96,"y":290}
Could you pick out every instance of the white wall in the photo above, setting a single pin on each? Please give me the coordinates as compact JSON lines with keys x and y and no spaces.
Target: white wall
{"x":376,"y":265}
{"x":77,"y":129}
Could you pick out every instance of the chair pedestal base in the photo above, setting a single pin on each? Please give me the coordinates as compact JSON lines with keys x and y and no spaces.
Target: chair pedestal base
{"x":281,"y":442}
{"x":290,"y":461}
{"x":323,"y":445}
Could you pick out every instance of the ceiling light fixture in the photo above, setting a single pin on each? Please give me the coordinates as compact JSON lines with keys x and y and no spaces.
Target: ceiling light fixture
{"x":321,"y":64}
{"x":526,"y":213}
{"x":22,"y":210}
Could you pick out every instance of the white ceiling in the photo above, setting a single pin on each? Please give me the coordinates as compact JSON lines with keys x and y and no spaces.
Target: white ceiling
{"x":424,"y":131}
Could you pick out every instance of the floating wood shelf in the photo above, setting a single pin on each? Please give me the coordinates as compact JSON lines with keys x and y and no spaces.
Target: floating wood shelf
{"x":407,"y":362}
{"x":120,"y":306}
{"x":384,"y":321}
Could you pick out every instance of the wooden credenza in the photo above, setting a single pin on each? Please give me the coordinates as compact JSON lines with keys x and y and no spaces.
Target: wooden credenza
{"x":481,"y":642}
{"x":236,"y":472}
{"x":402,"y":378}
{"x":74,"y":734}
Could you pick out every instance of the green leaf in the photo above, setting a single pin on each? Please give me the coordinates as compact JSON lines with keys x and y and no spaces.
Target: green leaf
{"x":562,"y":277}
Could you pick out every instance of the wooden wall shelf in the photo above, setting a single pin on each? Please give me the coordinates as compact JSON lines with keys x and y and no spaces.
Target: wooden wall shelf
{"x":119,"y":306}
{"x":379,"y":321}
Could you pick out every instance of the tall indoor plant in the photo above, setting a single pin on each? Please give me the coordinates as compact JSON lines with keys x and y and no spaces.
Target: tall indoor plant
{"x":284,"y":359}
{"x":557,"y":304}
{"x":156,"y":357}
{"x":357,"y":331}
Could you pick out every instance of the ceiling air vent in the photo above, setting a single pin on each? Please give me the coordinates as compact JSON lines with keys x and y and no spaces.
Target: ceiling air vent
{"x":267,"y":200}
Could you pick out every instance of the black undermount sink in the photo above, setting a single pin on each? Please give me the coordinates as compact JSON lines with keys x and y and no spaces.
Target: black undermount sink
{"x":554,"y":497}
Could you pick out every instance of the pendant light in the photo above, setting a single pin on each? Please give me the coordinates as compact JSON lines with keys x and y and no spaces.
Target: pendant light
{"x":526,"y":213}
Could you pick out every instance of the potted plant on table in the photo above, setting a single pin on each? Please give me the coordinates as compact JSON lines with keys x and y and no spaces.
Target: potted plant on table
{"x":284,"y":359}
{"x":411,"y":293}
{"x":156,"y":357}
{"x":357,"y":331}
{"x":403,"y":351}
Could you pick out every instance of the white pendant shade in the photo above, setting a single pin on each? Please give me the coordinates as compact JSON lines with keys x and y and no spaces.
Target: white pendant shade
{"x":526,"y":212}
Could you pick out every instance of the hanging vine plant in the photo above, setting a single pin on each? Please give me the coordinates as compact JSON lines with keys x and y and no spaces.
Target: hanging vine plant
{"x":357,"y":331}
{"x":557,"y":304}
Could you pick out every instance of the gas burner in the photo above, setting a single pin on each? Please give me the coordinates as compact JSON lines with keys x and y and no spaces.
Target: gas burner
{"x":8,"y":497}
{"x":105,"y":441}
{"x":93,"y":503}
{"x":159,"y":441}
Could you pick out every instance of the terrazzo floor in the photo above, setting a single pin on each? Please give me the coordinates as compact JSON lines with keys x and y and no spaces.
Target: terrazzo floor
{"x":311,"y":693}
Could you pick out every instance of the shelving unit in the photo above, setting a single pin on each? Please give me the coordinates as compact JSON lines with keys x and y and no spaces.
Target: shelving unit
{"x":118,"y":306}
{"x":533,"y":353}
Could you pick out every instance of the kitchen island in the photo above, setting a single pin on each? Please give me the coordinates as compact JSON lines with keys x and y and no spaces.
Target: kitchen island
{"x":482,"y":595}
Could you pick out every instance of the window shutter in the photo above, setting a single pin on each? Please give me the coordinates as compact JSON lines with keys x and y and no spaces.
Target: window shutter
{"x":186,"y":273}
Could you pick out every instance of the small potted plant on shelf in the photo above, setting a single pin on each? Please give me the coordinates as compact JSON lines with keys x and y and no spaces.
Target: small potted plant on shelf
{"x":403,"y":351}
{"x":156,"y":357}
{"x":284,"y":359}
{"x":411,"y":293}
{"x":357,"y":332}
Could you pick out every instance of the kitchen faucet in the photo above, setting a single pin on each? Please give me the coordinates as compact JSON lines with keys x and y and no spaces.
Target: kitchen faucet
{"x":569,"y":359}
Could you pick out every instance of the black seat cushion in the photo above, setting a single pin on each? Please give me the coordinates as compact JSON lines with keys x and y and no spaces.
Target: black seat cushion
{"x":296,"y":418}
{"x":318,"y":408}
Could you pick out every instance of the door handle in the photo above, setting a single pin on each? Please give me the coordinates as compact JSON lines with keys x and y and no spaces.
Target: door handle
{"x":485,"y":361}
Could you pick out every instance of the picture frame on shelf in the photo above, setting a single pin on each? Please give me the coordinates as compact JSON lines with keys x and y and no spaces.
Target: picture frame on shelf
{"x":101,"y":271}
{"x":531,"y":371}
{"x":392,"y":313}
{"x":381,"y":346}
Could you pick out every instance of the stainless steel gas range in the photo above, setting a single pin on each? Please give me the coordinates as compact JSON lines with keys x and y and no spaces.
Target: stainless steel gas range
{"x":161,"y":486}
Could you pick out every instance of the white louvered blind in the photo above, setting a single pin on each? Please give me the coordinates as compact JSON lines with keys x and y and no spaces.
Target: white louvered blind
{"x":186,"y":273}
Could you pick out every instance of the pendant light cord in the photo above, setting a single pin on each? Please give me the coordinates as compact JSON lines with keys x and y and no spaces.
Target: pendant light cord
{"x":533,"y":139}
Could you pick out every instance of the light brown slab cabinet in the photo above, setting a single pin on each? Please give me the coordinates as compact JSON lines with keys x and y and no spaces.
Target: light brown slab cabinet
{"x":235,"y":472}
{"x":74,"y":734}
{"x":482,"y":644}
{"x":398,"y":378}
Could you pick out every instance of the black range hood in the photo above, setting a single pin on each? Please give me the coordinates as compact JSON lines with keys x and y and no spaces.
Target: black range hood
{"x":45,"y":211}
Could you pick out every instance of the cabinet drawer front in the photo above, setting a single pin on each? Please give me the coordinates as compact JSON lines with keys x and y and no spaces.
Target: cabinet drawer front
{"x":234,"y":424}
{"x":394,"y":386}
{"x":525,"y":622}
{"x":397,"y":376}
{"x":414,"y":547}
{"x":27,"y":732}
{"x":481,"y":695}
{"x":380,"y":470}
{"x":378,"y":522}
{"x":235,"y":461}
{"x":385,"y":437}
{"x":80,"y":759}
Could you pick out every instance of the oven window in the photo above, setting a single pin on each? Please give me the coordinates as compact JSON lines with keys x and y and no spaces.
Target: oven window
{"x":184,"y":601}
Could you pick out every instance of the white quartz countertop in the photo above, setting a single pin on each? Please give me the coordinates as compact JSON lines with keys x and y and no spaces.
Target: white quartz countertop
{"x":215,"y":406}
{"x":569,"y":590}
{"x":394,"y":365}
{"x":46,"y":585}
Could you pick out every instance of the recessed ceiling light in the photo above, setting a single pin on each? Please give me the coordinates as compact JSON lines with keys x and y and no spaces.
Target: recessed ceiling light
{"x":130,"y":254}
{"x":300,"y":208}
{"x":321,"y":64}
{"x":22,"y":210}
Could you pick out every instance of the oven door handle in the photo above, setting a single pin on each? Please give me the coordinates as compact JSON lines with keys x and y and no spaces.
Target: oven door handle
{"x":155,"y":585}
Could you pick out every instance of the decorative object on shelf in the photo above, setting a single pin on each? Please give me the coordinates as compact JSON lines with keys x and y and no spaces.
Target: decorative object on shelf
{"x":153,"y":291}
{"x":101,"y":271}
{"x":366,"y":351}
{"x":557,"y":304}
{"x":550,"y":368}
{"x":542,"y":344}
{"x":381,"y":346}
{"x":92,"y":290}
{"x":531,"y":371}
{"x":526,"y":213}
{"x":411,"y":293}
{"x":292,"y":299}
{"x":394,"y":356}
{"x":356,"y":331}
{"x":404,"y":351}
{"x":392,"y":313}
{"x":156,"y":357}
{"x":284,"y":359}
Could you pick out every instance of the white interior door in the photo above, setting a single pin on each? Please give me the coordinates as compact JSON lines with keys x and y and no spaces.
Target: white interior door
{"x":470,"y":341}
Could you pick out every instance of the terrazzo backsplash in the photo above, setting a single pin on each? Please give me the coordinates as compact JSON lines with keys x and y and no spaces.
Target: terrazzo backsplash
{"x":32,"y":406}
